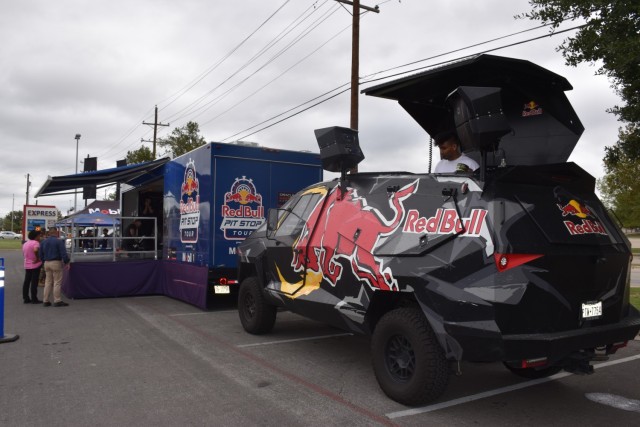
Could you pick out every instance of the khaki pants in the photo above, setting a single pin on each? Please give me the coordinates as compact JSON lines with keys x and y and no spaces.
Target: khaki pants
{"x":53,"y":278}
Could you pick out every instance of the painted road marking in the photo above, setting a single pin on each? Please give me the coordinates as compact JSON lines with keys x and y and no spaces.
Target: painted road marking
{"x":489,"y":393}
{"x":319,"y":337}
{"x":615,"y":401}
{"x":199,"y":313}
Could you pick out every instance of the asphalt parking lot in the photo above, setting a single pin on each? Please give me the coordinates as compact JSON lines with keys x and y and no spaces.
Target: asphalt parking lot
{"x":157,"y":361}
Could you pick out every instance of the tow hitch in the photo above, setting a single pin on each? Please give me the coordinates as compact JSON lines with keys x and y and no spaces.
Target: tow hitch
{"x":579,"y":362}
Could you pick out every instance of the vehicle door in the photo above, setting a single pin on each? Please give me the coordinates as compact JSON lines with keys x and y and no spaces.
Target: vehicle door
{"x":287,"y":253}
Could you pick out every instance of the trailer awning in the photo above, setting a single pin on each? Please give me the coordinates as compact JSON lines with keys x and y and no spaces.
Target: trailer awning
{"x":123,"y":174}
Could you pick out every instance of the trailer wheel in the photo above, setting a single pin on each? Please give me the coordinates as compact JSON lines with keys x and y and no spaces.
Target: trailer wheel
{"x":408,"y":361}
{"x":532,"y":373}
{"x":256,"y":315}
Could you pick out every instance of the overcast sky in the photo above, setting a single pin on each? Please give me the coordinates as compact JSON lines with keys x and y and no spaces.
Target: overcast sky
{"x":98,"y":67}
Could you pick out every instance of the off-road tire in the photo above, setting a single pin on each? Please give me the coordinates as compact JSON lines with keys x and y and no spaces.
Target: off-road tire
{"x":534,"y":374}
{"x":256,"y":314}
{"x":408,"y":361}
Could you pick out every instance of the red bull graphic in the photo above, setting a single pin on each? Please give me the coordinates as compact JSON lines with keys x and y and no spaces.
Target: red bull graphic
{"x":586,"y":226}
{"x":446,"y":221}
{"x":242,"y":210}
{"x":189,"y":205}
{"x":531,"y":108}
{"x":348,"y":228}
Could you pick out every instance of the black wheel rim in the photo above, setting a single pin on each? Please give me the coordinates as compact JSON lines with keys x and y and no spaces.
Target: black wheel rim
{"x":249,"y":305}
{"x":400,"y":358}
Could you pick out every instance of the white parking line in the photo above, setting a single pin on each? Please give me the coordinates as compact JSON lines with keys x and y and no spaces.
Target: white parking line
{"x":489,"y":393}
{"x":198,"y":313}
{"x":319,"y":337}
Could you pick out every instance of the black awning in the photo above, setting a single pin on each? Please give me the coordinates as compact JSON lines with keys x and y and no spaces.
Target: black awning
{"x":123,"y":174}
{"x":545,"y":127}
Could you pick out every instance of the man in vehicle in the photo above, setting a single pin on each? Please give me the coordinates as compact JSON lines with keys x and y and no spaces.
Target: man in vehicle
{"x":452,"y":159}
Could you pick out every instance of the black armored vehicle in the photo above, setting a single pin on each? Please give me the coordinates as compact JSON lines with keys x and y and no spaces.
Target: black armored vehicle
{"x":517,"y":262}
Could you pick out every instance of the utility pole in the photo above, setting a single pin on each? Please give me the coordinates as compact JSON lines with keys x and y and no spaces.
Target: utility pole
{"x":355,"y":61}
{"x":155,"y":131}
{"x":28,"y":185}
{"x":355,"y":57}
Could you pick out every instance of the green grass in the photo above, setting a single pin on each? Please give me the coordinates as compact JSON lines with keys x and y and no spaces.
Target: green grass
{"x":10,"y":244}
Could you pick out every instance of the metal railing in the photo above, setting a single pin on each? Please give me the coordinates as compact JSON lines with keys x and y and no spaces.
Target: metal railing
{"x":118,"y":246}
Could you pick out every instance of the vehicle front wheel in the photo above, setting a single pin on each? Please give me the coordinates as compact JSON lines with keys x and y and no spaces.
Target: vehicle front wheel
{"x":256,"y":315}
{"x":408,"y":361}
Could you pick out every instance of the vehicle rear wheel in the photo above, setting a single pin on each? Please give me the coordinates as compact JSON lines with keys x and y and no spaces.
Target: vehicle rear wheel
{"x":256,"y":315}
{"x":408,"y":361}
{"x":532,"y":373}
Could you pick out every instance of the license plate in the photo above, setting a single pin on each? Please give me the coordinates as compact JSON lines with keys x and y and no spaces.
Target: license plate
{"x":591,"y":310}
{"x":221,"y":289}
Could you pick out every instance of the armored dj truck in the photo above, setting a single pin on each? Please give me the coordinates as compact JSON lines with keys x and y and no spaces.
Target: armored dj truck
{"x":517,"y":262}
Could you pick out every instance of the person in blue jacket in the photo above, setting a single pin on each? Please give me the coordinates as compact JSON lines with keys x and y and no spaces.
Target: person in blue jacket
{"x":54,"y":255}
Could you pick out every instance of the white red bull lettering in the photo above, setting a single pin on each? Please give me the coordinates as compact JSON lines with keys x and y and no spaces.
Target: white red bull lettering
{"x":585,"y":227}
{"x":242,"y":211}
{"x":445,"y":221}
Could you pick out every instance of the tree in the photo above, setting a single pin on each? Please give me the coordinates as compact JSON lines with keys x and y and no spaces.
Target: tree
{"x":610,"y":38}
{"x":620,"y":186}
{"x":16,"y":225}
{"x":182,"y":140}
{"x":142,"y":154}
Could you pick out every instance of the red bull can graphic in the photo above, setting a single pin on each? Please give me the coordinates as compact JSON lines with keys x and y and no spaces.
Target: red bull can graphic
{"x":242,"y":210}
{"x":189,"y":205}
{"x":586,"y":226}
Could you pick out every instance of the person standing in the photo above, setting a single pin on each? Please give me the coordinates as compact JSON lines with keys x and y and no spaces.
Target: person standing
{"x":55,"y":257}
{"x":32,"y":265}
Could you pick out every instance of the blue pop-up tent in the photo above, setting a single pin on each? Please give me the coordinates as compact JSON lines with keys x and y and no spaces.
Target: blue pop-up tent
{"x":88,"y":220}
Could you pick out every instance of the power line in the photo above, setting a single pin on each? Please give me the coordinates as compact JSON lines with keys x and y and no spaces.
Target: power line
{"x":191,"y":109}
{"x":474,"y":54}
{"x":190,"y":85}
{"x":202,"y":75}
{"x":396,"y":75}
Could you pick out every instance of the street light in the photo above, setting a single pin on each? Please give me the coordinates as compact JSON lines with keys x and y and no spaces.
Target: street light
{"x":75,"y":196}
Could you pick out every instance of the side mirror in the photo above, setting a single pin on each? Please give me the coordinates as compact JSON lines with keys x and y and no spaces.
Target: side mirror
{"x":272,"y":221}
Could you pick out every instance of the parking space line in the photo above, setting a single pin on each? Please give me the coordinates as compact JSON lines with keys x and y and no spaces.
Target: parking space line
{"x":489,"y":393}
{"x":199,"y":313}
{"x":319,"y":337}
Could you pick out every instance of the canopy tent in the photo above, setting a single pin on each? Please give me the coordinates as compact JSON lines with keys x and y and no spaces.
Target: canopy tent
{"x":123,"y":174}
{"x":107,"y":207}
{"x":89,"y":220}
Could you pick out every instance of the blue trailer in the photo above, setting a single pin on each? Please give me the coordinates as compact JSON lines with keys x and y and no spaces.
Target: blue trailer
{"x":216,"y":195}
{"x":192,"y":213}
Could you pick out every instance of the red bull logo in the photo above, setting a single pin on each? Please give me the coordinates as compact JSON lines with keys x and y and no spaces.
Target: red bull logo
{"x":189,"y":205}
{"x":586,"y":226}
{"x":531,"y":108}
{"x":574,"y":208}
{"x":446,"y":221}
{"x":348,"y":229}
{"x":242,"y":210}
